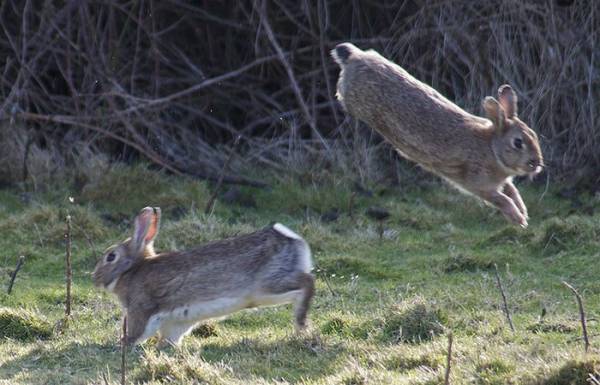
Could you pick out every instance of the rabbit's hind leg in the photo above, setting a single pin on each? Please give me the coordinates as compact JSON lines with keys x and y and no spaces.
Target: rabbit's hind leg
{"x":302,"y":305}
{"x":298,"y":288}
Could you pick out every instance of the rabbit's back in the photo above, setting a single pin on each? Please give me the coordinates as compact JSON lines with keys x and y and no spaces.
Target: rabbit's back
{"x":230,"y":268}
{"x":421,"y":123}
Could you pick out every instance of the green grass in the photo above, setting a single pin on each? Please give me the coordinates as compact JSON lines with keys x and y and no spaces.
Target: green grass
{"x":382,"y":308}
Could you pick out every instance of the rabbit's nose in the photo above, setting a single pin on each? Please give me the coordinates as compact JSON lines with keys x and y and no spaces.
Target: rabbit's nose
{"x":533,"y":163}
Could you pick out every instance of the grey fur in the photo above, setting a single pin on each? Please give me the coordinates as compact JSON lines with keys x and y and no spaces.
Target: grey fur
{"x":479,"y":156}
{"x":246,"y":268}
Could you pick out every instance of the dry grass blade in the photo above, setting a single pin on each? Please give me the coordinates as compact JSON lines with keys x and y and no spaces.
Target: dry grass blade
{"x":504,"y":301}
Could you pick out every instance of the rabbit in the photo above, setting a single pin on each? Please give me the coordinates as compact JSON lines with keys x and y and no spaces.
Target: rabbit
{"x":478,"y":156}
{"x":171,"y":292}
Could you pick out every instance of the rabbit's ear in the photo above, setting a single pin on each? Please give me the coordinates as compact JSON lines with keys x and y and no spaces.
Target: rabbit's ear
{"x":508,"y":100}
{"x":494,"y":112}
{"x":146,"y":228}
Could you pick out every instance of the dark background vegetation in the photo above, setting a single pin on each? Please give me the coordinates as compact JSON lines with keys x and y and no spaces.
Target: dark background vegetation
{"x":174,"y":82}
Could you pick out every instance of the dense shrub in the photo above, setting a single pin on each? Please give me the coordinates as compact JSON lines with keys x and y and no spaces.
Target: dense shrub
{"x":173,"y":80}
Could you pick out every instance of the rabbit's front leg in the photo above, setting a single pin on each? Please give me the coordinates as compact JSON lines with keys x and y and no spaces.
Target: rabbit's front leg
{"x":173,"y":332}
{"x":511,"y":191}
{"x":507,"y":206}
{"x":140,"y":327}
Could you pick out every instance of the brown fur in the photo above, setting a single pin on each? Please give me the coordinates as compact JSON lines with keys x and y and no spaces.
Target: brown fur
{"x":477,"y":155}
{"x":247,"y":268}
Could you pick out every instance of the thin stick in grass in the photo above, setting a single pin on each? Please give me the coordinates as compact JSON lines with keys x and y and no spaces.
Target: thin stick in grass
{"x":213,"y":197}
{"x":326,"y":279}
{"x":504,"y":302}
{"x":448,"y":360}
{"x":351,"y":204}
{"x":68,"y":268}
{"x":13,"y":275}
{"x":581,"y":315}
{"x":123,"y":350}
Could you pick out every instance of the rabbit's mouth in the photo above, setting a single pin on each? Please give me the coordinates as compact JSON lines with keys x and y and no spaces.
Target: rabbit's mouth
{"x":535,"y":172}
{"x":97,"y":280}
{"x":533,"y":168}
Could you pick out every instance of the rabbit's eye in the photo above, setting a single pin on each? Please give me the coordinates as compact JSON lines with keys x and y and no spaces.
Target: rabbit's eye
{"x":111,"y":257}
{"x":518,"y":143}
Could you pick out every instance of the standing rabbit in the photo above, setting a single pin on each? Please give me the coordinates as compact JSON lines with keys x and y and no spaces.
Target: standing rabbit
{"x":478,"y":156}
{"x":171,"y":292}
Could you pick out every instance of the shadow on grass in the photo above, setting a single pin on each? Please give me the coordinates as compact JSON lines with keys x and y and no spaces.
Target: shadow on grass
{"x":71,"y":363}
{"x":291,"y":359}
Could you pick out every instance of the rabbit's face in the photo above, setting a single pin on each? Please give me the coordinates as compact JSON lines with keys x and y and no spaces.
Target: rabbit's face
{"x":116,"y":260}
{"x":515,"y":145}
{"x":518,"y":148}
{"x":119,"y":259}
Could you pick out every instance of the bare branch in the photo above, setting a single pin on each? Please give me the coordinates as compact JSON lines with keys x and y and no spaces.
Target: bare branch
{"x":211,"y":200}
{"x":288,"y":69}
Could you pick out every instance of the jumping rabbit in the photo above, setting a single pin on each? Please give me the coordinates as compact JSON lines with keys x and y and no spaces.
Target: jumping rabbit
{"x":478,"y":156}
{"x":172,"y":292}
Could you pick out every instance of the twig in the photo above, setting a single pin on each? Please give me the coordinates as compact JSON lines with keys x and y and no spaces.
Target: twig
{"x":69,"y":272}
{"x":26,"y":157}
{"x":545,"y":187}
{"x":322,"y":28}
{"x":351,"y":204}
{"x":14,"y":273}
{"x":505,"y":303}
{"x":548,"y":242}
{"x":213,"y":197}
{"x":580,"y":338}
{"x":288,"y":69}
{"x":39,"y":234}
{"x":581,"y":315}
{"x":89,"y":241}
{"x":448,"y":360}
{"x":203,"y":84}
{"x":104,"y":378}
{"x":324,"y":274}
{"x":123,"y":350}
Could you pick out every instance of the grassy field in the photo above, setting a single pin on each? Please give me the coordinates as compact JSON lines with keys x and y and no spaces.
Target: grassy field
{"x":383,"y":306}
